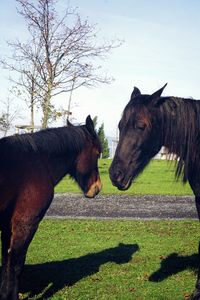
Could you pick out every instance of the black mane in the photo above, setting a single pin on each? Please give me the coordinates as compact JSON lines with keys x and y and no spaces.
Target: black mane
{"x":50,"y":141}
{"x":180,"y":120}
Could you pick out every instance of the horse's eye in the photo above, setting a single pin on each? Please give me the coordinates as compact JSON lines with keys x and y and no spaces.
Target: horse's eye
{"x":140,"y":126}
{"x":98,"y":153}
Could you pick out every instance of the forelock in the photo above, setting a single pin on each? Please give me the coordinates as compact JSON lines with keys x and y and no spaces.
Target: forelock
{"x":138,"y":111}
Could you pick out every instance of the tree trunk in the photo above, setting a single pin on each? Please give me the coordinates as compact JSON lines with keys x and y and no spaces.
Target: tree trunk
{"x":46,"y":108}
{"x":32,"y":114}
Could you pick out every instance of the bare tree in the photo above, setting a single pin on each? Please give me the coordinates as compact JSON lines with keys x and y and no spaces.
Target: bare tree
{"x":61,"y":55}
{"x":23,"y":62}
{"x":8,"y":114}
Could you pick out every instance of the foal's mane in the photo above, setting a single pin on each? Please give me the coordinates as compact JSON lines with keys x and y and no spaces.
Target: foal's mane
{"x":51,"y":141}
{"x":181,"y":131}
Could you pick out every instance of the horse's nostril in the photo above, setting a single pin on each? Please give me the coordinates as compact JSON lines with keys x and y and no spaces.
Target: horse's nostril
{"x":118,"y":175}
{"x":97,"y":190}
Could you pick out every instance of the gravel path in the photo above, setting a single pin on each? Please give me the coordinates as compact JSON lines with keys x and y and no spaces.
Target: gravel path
{"x":122,"y":207}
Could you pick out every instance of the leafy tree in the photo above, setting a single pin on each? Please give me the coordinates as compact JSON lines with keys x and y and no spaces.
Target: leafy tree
{"x":95,"y":122}
{"x":4,"y":125}
{"x":104,"y":141}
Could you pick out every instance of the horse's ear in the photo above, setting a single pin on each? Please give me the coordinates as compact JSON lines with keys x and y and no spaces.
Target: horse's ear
{"x":89,"y":125}
{"x":155,"y":99}
{"x":69,"y":123}
{"x":136,"y":92}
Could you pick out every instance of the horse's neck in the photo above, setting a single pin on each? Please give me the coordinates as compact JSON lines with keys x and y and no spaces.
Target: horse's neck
{"x":180,"y":125}
{"x":59,"y":166}
{"x":60,"y":153}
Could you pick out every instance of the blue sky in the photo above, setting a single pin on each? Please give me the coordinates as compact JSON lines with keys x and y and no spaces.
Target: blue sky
{"x":161,"y":44}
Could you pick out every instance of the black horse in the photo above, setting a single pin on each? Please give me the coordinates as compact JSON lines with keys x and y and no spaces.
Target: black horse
{"x":30,"y":167}
{"x":150,"y":122}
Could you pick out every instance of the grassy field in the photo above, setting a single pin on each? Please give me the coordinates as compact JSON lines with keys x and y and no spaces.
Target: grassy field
{"x":115,"y":259}
{"x":83,"y":259}
{"x":157,"y":178}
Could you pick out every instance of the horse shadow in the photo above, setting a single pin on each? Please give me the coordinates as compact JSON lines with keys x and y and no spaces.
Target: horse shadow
{"x":173,"y":264}
{"x":50,"y":277}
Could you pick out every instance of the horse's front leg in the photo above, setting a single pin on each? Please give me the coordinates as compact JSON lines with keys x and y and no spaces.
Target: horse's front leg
{"x":196,"y":294}
{"x":197,"y":202}
{"x":14,"y":248}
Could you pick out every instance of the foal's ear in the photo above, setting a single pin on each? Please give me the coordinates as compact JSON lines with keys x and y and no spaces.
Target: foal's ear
{"x":136,"y":92}
{"x":69,"y":124}
{"x":89,"y":125}
{"x":155,"y":99}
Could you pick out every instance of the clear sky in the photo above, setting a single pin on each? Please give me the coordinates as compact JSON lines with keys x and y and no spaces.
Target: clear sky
{"x":161,"y":44}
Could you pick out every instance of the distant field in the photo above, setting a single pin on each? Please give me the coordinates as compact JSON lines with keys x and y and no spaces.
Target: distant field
{"x":157,"y":179}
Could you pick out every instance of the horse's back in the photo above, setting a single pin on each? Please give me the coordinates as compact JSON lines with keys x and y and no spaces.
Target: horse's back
{"x":24,"y":180}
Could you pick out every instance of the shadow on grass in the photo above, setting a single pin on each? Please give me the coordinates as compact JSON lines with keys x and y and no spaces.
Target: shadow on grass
{"x":52,"y":276}
{"x":174,"y":264}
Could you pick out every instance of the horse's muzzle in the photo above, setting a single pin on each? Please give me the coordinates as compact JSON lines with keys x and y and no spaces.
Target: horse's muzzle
{"x":118,"y":178}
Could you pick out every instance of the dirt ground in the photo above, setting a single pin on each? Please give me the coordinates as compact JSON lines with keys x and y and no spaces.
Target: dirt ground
{"x":123,"y":207}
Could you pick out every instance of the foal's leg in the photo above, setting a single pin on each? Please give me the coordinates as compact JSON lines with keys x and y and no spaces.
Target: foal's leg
{"x":23,"y":225}
{"x":5,"y":244}
{"x":14,"y":253}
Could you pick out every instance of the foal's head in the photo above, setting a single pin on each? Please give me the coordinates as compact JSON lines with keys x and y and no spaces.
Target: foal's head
{"x":86,"y":165}
{"x":140,"y":137}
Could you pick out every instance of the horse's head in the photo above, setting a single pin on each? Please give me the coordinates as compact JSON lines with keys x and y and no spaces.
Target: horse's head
{"x":140,"y":137}
{"x":87,"y":174}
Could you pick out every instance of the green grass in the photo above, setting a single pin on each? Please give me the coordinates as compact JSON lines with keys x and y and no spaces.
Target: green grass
{"x":115,"y":259}
{"x":87,"y":259}
{"x":157,"y":179}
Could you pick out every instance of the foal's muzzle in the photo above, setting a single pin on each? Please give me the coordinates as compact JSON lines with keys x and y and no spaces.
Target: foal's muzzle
{"x":94,"y":189}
